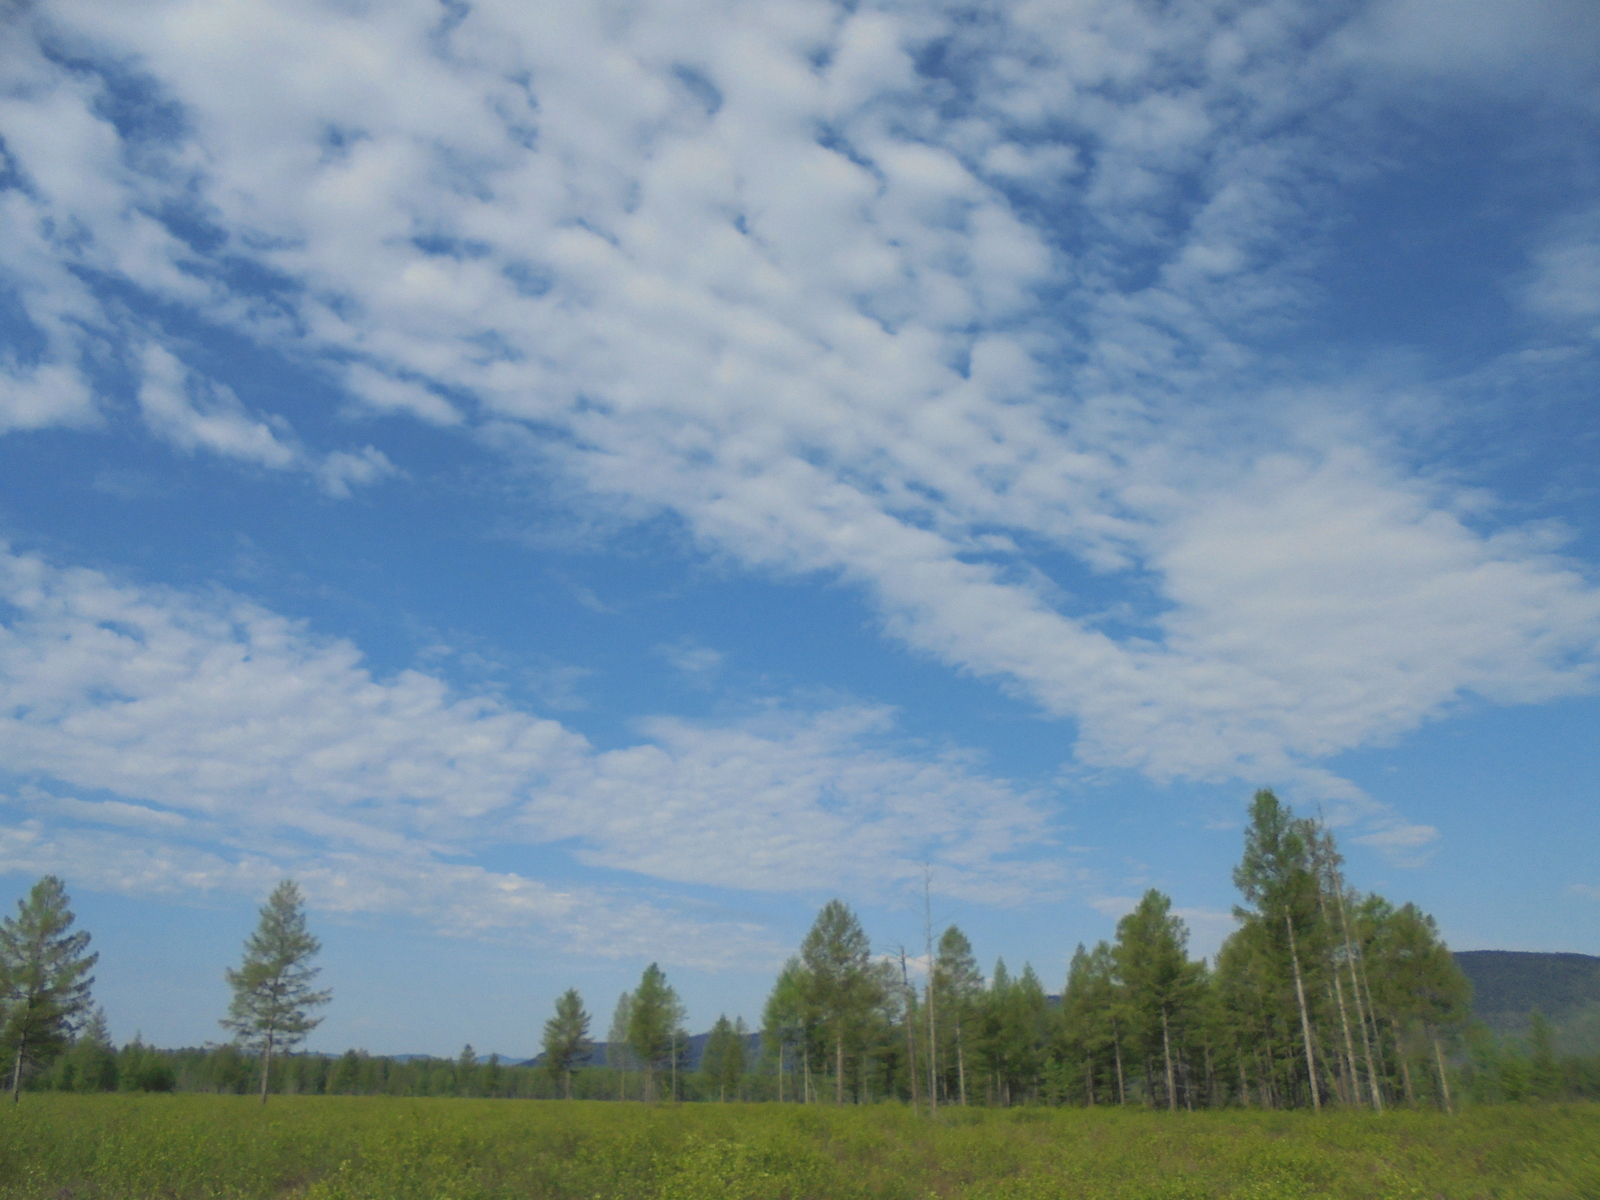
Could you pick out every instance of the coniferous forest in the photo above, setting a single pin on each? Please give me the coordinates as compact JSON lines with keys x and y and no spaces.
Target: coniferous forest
{"x":1322,"y":997}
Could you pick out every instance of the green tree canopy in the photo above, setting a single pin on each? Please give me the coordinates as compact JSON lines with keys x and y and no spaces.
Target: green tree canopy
{"x":566,"y":1037}
{"x":655,"y":1025}
{"x":1162,"y":987}
{"x":272,"y":993}
{"x":44,"y":979}
{"x":842,"y":986}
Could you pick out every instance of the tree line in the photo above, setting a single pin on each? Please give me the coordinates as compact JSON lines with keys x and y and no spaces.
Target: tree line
{"x":1322,"y":996}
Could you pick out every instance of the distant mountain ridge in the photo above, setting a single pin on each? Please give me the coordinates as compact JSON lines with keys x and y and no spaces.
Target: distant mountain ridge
{"x":1508,"y":986}
{"x":694,"y":1050}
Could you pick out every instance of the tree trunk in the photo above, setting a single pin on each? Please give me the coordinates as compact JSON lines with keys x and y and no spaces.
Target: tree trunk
{"x":1305,"y":1017}
{"x":961,"y":1065}
{"x":838,"y":1078}
{"x":911,"y":1035}
{"x":1405,"y":1076}
{"x":805,"y":1062}
{"x":1354,"y":1085}
{"x":1116,"y":1044}
{"x":1444,"y":1079}
{"x":1088,"y":1076}
{"x":1244,"y":1083}
{"x":1352,"y":958}
{"x":266,"y":1068}
{"x":1166,"y":1049}
{"x":16,"y":1067}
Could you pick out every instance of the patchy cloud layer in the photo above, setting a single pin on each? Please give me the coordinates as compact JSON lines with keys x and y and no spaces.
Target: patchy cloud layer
{"x":982,"y":316}
{"x":230,"y":745}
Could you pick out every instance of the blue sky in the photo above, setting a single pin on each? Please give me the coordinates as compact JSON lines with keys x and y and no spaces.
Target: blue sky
{"x":582,"y":485}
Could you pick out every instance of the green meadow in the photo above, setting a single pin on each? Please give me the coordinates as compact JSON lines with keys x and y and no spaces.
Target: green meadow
{"x":87,"y":1147}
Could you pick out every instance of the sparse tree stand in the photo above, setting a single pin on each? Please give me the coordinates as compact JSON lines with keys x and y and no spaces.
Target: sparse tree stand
{"x":272,"y":996}
{"x":44,"y":978}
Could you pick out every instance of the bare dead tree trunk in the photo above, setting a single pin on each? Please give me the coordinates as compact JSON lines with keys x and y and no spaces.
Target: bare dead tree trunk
{"x":911,"y":1035}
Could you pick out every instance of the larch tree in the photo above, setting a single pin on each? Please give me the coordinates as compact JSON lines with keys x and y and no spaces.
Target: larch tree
{"x":566,"y":1037}
{"x":618,"y":1055}
{"x":959,"y":984}
{"x":44,"y":979}
{"x":711,"y":1058}
{"x":91,"y":1063}
{"x":1162,"y":985}
{"x":272,"y":993}
{"x":466,"y":1073}
{"x":733,"y":1064}
{"x":1276,"y":876}
{"x":842,"y":986}
{"x":1415,"y":987}
{"x":785,"y":1024}
{"x":655,"y":1027}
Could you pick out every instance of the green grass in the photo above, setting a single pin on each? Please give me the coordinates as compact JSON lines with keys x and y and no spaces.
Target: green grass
{"x":65,"y":1147}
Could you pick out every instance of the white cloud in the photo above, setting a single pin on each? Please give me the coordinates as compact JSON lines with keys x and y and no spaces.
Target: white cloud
{"x":262,"y":748}
{"x":41,"y":396}
{"x":195,"y":413}
{"x":453,"y":899}
{"x":1565,"y":281}
{"x":757,"y":271}
{"x":690,"y":658}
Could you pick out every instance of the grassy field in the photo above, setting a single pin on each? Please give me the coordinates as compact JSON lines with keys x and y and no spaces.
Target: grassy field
{"x":68,"y":1147}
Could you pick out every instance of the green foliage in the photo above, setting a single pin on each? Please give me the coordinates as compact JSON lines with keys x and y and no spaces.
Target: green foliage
{"x":90,"y":1063}
{"x":566,"y":1037}
{"x":44,"y":980}
{"x":722,"y":1062}
{"x":272,"y":993}
{"x":655,"y":1027}
{"x":843,"y":994}
{"x":957,"y":989}
{"x":343,"y":1148}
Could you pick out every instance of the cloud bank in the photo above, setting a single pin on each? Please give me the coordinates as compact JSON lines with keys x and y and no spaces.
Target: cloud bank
{"x":219,"y":745}
{"x":981,"y":316}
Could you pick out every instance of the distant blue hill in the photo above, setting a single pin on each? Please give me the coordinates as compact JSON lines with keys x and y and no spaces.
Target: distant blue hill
{"x":695,"y":1050}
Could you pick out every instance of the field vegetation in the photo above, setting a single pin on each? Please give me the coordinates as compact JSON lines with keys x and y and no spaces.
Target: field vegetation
{"x":189,"y":1147}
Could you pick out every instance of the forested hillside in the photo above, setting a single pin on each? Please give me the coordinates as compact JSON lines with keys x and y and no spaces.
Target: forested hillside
{"x":1508,"y":986}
